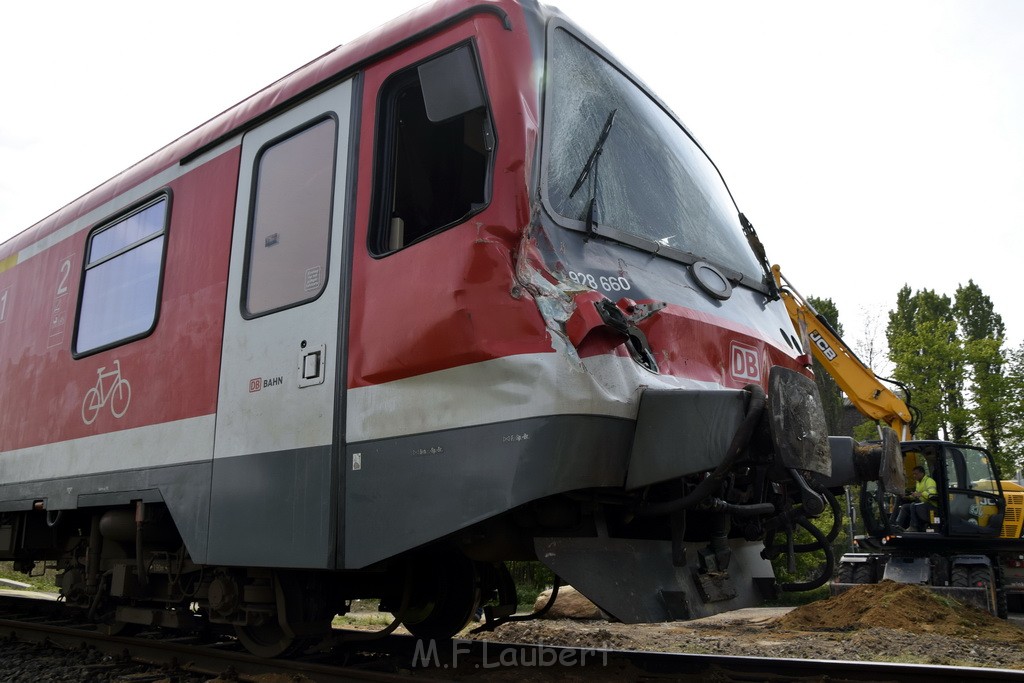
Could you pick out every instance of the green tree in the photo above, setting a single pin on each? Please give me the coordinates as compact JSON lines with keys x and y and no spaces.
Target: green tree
{"x":866,"y":431}
{"x":990,"y":392}
{"x":976,"y":315}
{"x":929,"y":358}
{"x":950,"y":353}
{"x":983,"y":332}
{"x":831,"y":396}
{"x":1013,"y":443}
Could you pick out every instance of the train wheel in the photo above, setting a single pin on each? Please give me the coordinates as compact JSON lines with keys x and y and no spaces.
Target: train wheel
{"x":445,"y":595}
{"x":302,"y":603}
{"x":268,"y":640}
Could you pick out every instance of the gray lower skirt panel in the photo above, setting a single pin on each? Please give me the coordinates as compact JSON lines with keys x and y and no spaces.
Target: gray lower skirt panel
{"x":404,"y":492}
{"x":184,"y":488}
{"x":326,"y":509}
{"x":274,"y":509}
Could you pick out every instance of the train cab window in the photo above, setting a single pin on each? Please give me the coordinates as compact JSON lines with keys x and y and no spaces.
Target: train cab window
{"x":290,"y":220}
{"x":121,"y":284}
{"x":434,"y":150}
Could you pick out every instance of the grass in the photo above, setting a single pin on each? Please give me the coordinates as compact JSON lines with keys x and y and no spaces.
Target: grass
{"x":376,"y":619}
{"x":526,"y":596}
{"x":40,"y":581}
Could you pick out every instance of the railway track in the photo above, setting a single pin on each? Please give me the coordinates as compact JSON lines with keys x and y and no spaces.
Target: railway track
{"x":401,"y":658}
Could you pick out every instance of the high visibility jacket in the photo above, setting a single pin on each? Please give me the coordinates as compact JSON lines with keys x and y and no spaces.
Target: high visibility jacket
{"x":928,"y":490}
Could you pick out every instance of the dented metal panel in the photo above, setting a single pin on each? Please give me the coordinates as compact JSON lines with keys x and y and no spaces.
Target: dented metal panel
{"x":682,"y":432}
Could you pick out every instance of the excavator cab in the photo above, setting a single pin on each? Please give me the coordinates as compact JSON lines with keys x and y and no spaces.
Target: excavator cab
{"x":974,"y":497}
{"x":970,"y":501}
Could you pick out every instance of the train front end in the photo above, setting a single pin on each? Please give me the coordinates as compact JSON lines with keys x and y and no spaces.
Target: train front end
{"x":670,"y":338}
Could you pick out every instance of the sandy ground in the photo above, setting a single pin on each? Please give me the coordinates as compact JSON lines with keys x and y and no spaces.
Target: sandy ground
{"x":881,"y":622}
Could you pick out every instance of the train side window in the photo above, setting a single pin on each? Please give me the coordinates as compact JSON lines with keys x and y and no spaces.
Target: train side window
{"x":434,"y":146}
{"x":121,"y":283}
{"x":290,"y":220}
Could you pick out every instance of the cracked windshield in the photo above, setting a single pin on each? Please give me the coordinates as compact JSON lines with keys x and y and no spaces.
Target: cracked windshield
{"x":615,"y":155}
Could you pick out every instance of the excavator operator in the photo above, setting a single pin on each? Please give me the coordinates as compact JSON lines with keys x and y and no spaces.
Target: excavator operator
{"x":921,"y":502}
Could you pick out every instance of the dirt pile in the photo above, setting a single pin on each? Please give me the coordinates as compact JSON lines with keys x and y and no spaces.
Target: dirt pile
{"x":569,"y":604}
{"x":899,"y":606}
{"x":884,"y":623}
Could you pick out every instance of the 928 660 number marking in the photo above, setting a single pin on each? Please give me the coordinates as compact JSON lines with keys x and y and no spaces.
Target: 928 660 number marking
{"x":611,"y":283}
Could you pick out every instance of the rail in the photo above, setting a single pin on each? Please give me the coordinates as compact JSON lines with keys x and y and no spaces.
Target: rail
{"x":403,"y":658}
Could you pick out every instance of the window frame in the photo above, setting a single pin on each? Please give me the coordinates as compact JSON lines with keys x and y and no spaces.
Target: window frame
{"x":385,"y":148}
{"x":254,"y":178}
{"x":163,"y":195}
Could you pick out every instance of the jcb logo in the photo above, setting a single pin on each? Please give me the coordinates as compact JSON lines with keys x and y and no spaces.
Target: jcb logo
{"x":820,"y":342}
{"x":746,"y":363}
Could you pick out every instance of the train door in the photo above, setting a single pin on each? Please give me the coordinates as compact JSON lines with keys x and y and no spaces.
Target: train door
{"x":279,"y":382}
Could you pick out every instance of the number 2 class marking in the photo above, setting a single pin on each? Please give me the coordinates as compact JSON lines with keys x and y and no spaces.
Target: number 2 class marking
{"x":65,"y":271}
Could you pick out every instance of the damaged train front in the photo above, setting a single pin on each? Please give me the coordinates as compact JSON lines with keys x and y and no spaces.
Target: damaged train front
{"x":655,"y":288}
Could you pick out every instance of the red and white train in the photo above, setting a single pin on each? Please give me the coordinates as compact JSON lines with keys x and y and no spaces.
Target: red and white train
{"x":459,"y":292}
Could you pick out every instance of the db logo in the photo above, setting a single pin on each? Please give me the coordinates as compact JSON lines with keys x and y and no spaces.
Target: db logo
{"x":746,"y":364}
{"x":255,"y":384}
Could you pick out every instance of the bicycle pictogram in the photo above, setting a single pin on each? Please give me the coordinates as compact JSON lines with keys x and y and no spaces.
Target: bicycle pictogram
{"x":118,"y":395}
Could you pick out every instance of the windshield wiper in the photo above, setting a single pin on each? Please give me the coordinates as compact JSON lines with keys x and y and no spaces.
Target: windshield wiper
{"x":591,"y":166}
{"x":758,"y":248}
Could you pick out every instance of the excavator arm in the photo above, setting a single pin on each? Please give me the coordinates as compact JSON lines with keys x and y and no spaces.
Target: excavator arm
{"x":857,"y":380}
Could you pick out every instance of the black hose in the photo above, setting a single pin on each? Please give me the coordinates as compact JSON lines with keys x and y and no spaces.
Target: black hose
{"x":361,"y":636}
{"x":739,"y":510}
{"x":713,"y":481}
{"x":555,"y":585}
{"x":830,"y":560}
{"x":837,"y":513}
{"x":837,"y":524}
{"x":495,"y":623}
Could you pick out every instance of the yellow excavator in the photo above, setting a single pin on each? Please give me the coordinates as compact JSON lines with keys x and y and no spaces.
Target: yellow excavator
{"x":965,"y":541}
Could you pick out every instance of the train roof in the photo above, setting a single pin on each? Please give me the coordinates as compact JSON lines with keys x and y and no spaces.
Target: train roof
{"x":329,"y":68}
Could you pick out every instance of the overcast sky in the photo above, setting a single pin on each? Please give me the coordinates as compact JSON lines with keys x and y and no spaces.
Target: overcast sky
{"x":873,"y":144}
